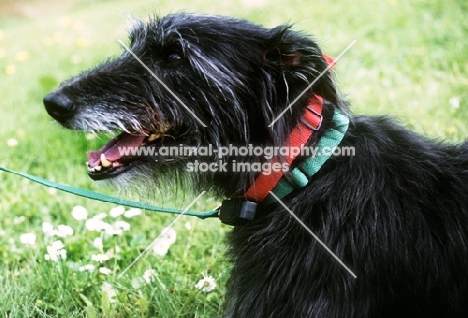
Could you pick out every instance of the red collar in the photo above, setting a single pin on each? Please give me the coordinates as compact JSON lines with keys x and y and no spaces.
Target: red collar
{"x":300,"y":134}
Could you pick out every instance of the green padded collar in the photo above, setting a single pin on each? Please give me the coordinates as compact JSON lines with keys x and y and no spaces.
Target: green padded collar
{"x":300,"y":175}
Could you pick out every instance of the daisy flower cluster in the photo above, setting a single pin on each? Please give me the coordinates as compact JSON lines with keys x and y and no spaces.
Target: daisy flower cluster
{"x":100,"y":228}
{"x":105,"y":225}
{"x":67,"y":245}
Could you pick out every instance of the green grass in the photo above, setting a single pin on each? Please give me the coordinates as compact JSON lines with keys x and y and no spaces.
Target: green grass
{"x":409,"y":62}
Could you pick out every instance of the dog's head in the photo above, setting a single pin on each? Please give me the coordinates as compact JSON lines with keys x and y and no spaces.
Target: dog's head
{"x":193,"y":80}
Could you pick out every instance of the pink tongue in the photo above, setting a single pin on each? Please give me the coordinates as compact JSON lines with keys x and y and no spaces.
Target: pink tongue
{"x":124,"y":141}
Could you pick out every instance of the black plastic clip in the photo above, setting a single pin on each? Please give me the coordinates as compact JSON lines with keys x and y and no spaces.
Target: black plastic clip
{"x":237,"y":212}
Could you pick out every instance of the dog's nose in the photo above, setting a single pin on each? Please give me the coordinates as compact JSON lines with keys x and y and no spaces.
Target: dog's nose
{"x":58,"y":105}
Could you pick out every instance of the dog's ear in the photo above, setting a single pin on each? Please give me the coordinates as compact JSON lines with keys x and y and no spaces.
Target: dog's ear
{"x":297,"y":59}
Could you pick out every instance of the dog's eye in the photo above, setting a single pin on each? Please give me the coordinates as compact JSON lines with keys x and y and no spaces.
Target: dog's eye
{"x":173,"y":57}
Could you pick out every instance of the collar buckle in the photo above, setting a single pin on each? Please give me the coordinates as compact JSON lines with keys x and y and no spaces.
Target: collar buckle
{"x":319,"y":115}
{"x":237,"y":212}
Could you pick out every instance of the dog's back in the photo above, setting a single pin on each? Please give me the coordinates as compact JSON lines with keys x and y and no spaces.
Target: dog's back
{"x":396,"y":212}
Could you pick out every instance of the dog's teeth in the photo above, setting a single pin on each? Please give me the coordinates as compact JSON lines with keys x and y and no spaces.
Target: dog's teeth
{"x":97,"y":168}
{"x":91,"y":169}
{"x":153,"y":137}
{"x":104,"y":162}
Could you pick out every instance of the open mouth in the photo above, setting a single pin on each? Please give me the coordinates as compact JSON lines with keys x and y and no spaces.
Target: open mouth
{"x":122,"y":153}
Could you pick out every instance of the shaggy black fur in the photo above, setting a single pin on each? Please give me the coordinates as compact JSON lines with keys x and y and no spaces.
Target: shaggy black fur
{"x":396,"y":213}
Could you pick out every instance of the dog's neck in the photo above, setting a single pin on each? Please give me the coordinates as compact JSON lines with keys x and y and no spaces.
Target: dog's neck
{"x":301,"y":133}
{"x":273,"y":186}
{"x":268,"y":184}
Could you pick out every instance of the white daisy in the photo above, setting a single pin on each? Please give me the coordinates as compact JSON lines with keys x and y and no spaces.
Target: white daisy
{"x":132,"y":212}
{"x":149,"y":275}
{"x":112,"y":230}
{"x":97,"y":224}
{"x":161,"y":246}
{"x":87,"y":267}
{"x":64,"y":231}
{"x":122,"y":225}
{"x":169,"y":233}
{"x":79,"y":213}
{"x":28,"y":239}
{"x":100,"y":257}
{"x":12,"y":142}
{"x":97,"y":243}
{"x":47,"y":228}
{"x":55,"y":252}
{"x":105,"y":271}
{"x":117,"y":211}
{"x":206,"y":284}
{"x":455,"y":102}
{"x":109,"y":292}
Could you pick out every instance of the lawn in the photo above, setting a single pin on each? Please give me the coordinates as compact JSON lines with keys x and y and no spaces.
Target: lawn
{"x":62,"y":255}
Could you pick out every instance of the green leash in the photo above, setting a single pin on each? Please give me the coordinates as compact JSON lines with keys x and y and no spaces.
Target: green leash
{"x":300,"y":176}
{"x":110,"y":199}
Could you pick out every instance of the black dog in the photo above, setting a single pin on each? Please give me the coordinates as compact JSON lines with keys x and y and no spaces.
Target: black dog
{"x":395,"y":212}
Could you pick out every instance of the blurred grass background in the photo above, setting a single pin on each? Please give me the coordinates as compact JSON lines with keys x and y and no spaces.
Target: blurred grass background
{"x":410,"y":61}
